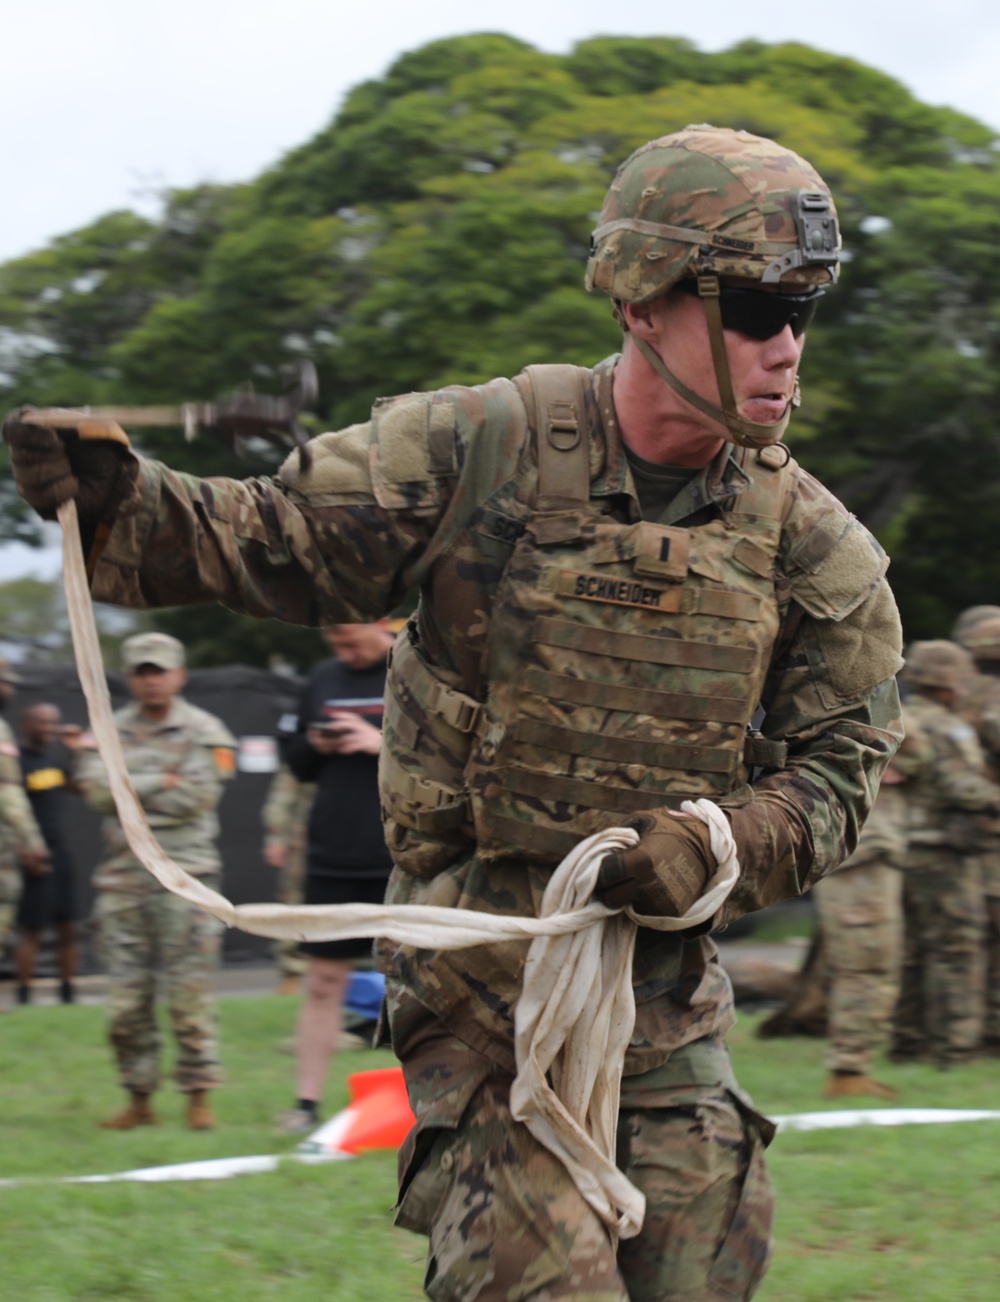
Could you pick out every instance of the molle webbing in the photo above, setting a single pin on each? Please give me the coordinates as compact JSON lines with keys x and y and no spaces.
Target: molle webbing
{"x":587,"y":795}
{"x":625,"y":750}
{"x":429,"y":727}
{"x":641,"y":646}
{"x":760,"y":753}
{"x":435,"y":807}
{"x":556,"y":397}
{"x":635,"y":700}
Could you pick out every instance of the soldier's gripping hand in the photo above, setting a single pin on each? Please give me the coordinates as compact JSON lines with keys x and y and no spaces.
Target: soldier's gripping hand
{"x":51,"y":465}
{"x":665,"y":873}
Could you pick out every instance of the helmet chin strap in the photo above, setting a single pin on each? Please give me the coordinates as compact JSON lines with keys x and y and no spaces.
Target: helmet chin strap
{"x":747,"y":433}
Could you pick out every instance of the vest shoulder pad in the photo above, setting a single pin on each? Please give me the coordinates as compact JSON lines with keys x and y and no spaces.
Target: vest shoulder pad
{"x":338,"y":472}
{"x":830,"y":560}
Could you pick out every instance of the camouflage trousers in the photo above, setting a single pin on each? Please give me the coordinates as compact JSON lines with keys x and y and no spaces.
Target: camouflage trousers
{"x":10,"y":893}
{"x":861,"y":915}
{"x":506,"y":1223}
{"x":991,"y":907}
{"x":146,"y":940}
{"x":941,"y":1000}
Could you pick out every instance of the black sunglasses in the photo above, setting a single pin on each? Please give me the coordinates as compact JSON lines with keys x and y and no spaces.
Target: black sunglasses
{"x":760,"y":315}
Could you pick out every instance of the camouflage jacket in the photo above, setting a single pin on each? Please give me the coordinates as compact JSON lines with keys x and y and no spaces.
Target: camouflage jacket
{"x":178,"y":766}
{"x":436,"y":491}
{"x":19,"y":832}
{"x":286,"y":811}
{"x":980,"y":706}
{"x":950,"y":792}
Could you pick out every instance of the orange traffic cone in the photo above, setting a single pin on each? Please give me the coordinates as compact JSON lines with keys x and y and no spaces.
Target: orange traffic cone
{"x":378,"y":1116}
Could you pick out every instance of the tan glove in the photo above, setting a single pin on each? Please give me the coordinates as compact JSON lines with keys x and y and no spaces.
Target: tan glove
{"x":665,"y":873}
{"x":89,"y":460}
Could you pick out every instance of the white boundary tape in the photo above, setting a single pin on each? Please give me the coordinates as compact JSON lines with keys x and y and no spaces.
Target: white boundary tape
{"x":312,"y":1151}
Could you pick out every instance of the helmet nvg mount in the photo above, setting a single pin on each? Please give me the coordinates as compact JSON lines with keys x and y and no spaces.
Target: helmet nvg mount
{"x":709,"y":202}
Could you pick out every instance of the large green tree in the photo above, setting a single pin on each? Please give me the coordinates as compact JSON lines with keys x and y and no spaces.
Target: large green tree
{"x":435,"y":232}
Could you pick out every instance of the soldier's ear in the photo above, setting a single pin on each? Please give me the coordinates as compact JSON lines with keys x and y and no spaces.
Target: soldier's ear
{"x":638,"y":318}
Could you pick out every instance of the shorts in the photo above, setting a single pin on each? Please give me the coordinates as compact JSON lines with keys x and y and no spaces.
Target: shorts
{"x":341,"y":890}
{"x":47,"y":900}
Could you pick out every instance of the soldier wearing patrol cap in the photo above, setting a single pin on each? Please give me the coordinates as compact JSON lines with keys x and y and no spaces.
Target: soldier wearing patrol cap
{"x":616,"y":567}
{"x":940,"y":1011}
{"x":179,"y":758}
{"x":21,"y":840}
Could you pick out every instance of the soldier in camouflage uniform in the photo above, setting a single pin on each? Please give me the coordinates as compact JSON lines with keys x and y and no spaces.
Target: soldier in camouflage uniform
{"x":978,"y":630}
{"x":940,"y":1010}
{"x":861,"y":916}
{"x":179,"y":758}
{"x":285,"y":816}
{"x":21,"y":840}
{"x":616,"y":566}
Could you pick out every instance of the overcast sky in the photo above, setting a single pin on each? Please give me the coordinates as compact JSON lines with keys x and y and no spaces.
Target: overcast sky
{"x":103,"y":103}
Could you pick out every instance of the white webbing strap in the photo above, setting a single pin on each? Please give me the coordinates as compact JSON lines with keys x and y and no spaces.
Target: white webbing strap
{"x":576,"y":1012}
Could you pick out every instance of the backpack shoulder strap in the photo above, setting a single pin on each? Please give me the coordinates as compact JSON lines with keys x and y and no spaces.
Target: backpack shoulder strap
{"x":556,"y":400}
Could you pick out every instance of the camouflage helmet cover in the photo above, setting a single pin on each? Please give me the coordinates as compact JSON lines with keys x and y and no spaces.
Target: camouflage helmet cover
{"x":937,"y":664}
{"x":711,"y":199}
{"x":982,"y":639}
{"x":968,"y":624}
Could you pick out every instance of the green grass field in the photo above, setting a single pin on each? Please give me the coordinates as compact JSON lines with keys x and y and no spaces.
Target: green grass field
{"x":869,"y":1213}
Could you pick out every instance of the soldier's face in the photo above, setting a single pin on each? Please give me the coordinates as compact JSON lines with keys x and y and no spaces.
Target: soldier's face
{"x":762,"y":371}
{"x":359,"y":646}
{"x":152,"y":686}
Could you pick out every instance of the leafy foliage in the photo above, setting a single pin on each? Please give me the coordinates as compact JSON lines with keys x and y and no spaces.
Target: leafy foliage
{"x":435,"y":233}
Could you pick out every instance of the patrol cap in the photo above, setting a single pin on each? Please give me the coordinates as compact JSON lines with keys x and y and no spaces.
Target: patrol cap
{"x":159,"y":649}
{"x":937,"y":664}
{"x":7,"y":675}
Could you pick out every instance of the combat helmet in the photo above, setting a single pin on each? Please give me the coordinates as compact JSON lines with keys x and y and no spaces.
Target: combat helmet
{"x":710,"y":202}
{"x":937,"y":664}
{"x":978,"y":630}
{"x":982,"y":638}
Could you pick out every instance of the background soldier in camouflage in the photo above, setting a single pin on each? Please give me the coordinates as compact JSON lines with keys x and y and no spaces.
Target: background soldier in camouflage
{"x":285,"y":817}
{"x":978,"y":630}
{"x":861,"y":917}
{"x":179,"y":757}
{"x":608,"y":589}
{"x":21,"y":841}
{"x":940,"y":1010}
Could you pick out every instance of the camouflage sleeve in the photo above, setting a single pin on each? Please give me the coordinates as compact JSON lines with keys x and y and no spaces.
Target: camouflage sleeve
{"x":194,"y":788}
{"x":93,"y":779}
{"x":832,"y":697}
{"x":957,"y":774}
{"x":280,"y":808}
{"x":915,"y":751}
{"x":18,"y":828}
{"x":340,"y":544}
{"x":989,"y":730}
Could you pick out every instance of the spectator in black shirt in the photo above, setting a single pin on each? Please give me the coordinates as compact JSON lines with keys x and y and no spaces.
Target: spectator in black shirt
{"x":335,"y":742}
{"x":48,"y":895}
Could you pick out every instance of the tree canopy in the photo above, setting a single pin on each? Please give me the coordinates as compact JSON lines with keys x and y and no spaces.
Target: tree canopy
{"x":435,"y":232}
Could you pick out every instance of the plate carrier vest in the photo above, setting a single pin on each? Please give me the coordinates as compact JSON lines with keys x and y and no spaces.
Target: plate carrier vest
{"x":624,"y":664}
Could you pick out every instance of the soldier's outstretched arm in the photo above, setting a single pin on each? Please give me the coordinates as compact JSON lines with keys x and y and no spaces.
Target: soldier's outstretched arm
{"x":339,"y":544}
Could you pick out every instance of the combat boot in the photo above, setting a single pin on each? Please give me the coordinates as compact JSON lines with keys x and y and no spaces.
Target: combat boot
{"x":138,"y":1113}
{"x":199,"y":1115}
{"x":845,"y":1084}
